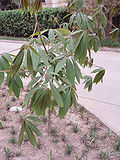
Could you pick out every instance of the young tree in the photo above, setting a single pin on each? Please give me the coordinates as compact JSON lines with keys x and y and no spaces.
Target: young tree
{"x":54,"y":64}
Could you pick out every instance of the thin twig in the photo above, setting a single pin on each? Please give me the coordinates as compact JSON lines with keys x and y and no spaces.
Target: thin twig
{"x":40,"y":35}
{"x":33,"y":32}
{"x":32,"y":77}
{"x":111,"y":23}
{"x":5,"y":71}
{"x":64,"y":81}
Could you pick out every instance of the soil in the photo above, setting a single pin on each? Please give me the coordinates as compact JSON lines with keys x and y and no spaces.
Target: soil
{"x":93,"y":140}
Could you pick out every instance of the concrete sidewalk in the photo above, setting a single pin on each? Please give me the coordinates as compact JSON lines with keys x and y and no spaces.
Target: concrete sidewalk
{"x":104,"y":100}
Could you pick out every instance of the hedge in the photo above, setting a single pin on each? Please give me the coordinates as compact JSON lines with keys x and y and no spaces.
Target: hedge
{"x":13,"y":23}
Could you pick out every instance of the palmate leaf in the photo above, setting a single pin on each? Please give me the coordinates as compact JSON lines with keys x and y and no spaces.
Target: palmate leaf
{"x":56,"y":95}
{"x":40,"y":101}
{"x":34,"y":119}
{"x":34,"y":128}
{"x":30,"y":135}
{"x":21,"y":135}
{"x":99,"y":76}
{"x":33,"y":50}
{"x":28,"y":96}
{"x":88,"y":82}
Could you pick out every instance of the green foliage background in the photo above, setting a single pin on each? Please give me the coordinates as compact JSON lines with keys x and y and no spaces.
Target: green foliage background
{"x":13,"y":23}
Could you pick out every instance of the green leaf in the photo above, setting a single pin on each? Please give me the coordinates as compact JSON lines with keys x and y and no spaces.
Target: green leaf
{"x":115,"y":33}
{"x":88,"y":82}
{"x":18,"y":61}
{"x":19,"y":81}
{"x":7,"y":56}
{"x":33,"y":50}
{"x":67,"y":102}
{"x":51,"y":34}
{"x":4,"y":63}
{"x":30,"y":135}
{"x":43,"y":56}
{"x":41,"y":101}
{"x":29,"y":62}
{"x":35,"y":119}
{"x":28,"y":96}
{"x":96,"y":44}
{"x":97,"y":70}
{"x":72,"y":18}
{"x":56,"y":95}
{"x":34,"y":128}
{"x":15,"y":88}
{"x":78,"y":39}
{"x":57,"y":58}
{"x":78,"y":73}
{"x":21,"y":135}
{"x":74,"y":100}
{"x":35,"y":61}
{"x":60,"y":64}
{"x":78,"y":4}
{"x":32,"y":82}
{"x":99,"y":76}
{"x":1,"y":75}
{"x":64,"y":31}
{"x":70,"y":71}
{"x":104,"y":21}
{"x":79,"y":20}
{"x":81,"y":50}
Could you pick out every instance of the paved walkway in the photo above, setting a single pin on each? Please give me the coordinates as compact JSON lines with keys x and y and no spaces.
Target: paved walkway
{"x":104,"y":100}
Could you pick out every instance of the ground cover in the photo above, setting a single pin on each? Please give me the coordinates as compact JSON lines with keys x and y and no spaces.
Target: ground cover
{"x":78,"y":136}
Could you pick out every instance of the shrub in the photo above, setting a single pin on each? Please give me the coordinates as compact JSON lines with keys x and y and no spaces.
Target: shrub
{"x":13,"y":23}
{"x":110,"y":43}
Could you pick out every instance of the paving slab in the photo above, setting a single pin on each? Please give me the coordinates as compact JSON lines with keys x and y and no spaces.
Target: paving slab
{"x":104,"y":100}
